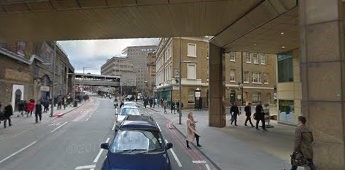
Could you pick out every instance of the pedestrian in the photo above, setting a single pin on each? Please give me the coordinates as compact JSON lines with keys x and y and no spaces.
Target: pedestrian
{"x":64,"y":103}
{"x":248,"y":110}
{"x":154,"y":102}
{"x":173,"y":109}
{"x":38,"y":112}
{"x":8,"y":112}
{"x":234,"y":111}
{"x":165,"y":104}
{"x":260,"y":116}
{"x":191,"y":131}
{"x":46,"y":105}
{"x":200,"y":103}
{"x":21,"y":107}
{"x":122,"y":103}
{"x":30,"y":107}
{"x":151,"y":102}
{"x":303,"y":143}
{"x":145,"y":102}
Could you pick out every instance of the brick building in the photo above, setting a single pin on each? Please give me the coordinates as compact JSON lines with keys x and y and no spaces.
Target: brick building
{"x":258,"y":79}
{"x":194,"y":66}
{"x":26,"y":71}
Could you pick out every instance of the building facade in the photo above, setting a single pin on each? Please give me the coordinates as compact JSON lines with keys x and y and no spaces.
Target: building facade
{"x":251,"y":75}
{"x":26,"y":72}
{"x":194,"y":70}
{"x":123,"y":67}
{"x":289,"y":87}
{"x":151,"y":73}
{"x":137,"y":54}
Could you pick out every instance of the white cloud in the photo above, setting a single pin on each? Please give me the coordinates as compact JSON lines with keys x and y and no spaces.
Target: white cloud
{"x":94,"y":53}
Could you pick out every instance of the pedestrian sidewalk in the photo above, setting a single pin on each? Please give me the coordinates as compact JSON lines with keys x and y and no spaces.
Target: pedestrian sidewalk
{"x":241,"y":147}
{"x":22,"y":123}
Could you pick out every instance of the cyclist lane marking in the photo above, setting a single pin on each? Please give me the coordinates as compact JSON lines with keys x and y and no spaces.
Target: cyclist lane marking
{"x":100,"y":152}
{"x":15,"y":153}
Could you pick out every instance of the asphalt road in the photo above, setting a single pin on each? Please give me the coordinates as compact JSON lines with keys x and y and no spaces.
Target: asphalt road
{"x":73,"y":141}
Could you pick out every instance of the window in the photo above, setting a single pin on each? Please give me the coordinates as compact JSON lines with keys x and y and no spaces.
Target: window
{"x":255,"y":58}
{"x":263,"y":59}
{"x":246,"y":77}
{"x":285,"y":67}
{"x":265,"y":78}
{"x":191,"y":71}
{"x":248,"y":59}
{"x":256,"y":78}
{"x":191,"y":98}
{"x":232,"y":75}
{"x":232,"y":56}
{"x":191,"y":50}
{"x":256,"y":97}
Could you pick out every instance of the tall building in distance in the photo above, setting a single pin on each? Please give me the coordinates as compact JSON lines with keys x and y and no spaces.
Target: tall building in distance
{"x":251,"y":75}
{"x":194,"y":66}
{"x":138,"y":54}
{"x":123,"y":67}
{"x":151,"y":72}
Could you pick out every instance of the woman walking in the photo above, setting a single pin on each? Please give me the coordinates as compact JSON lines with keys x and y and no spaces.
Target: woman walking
{"x":191,"y":131}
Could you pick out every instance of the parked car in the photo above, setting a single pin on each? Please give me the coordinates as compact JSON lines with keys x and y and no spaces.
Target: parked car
{"x":138,"y":144}
{"x":124,"y":111}
{"x":130,"y":104}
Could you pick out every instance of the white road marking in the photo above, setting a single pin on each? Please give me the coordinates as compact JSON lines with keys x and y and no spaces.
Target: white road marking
{"x":159,"y":127}
{"x":199,"y":162}
{"x":58,"y":127}
{"x":113,"y":127}
{"x":175,"y":157}
{"x":100,"y":152}
{"x":15,"y":153}
{"x":85,"y":167}
{"x":207,"y":167}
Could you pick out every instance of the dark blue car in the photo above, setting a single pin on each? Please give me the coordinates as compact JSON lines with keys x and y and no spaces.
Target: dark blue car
{"x":138,"y":144}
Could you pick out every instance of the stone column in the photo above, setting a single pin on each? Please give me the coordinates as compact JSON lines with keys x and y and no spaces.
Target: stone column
{"x":323,"y":79}
{"x":216,"y":87}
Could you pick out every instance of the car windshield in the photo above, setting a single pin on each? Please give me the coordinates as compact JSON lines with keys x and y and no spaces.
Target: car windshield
{"x":129,"y":141}
{"x":129,"y":111}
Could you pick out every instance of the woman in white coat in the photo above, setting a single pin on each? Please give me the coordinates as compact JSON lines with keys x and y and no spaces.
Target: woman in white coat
{"x":191,"y":131}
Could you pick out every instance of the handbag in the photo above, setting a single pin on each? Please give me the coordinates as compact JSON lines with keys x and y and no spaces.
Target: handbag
{"x":297,"y":159}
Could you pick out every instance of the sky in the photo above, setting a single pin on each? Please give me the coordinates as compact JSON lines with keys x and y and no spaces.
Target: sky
{"x":92,"y":54}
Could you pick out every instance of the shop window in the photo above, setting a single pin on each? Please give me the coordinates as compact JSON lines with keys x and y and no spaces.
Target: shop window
{"x":191,"y":98}
{"x":285,"y":67}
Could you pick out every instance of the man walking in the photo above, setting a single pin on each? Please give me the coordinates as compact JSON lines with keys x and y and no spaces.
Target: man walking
{"x":165,"y":104}
{"x":303,"y":142}
{"x":234,"y":112}
{"x":8,"y":112}
{"x":248,"y":110}
{"x":260,"y":116}
{"x":38,"y":112}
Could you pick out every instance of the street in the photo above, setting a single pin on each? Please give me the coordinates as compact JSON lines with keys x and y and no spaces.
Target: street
{"x":73,"y":141}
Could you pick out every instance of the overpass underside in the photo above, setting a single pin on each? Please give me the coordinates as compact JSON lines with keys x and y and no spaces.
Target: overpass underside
{"x":314,"y":27}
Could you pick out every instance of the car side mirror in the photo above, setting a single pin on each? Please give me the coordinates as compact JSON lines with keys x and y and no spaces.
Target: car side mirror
{"x":168,"y":146}
{"x":105,"y":146}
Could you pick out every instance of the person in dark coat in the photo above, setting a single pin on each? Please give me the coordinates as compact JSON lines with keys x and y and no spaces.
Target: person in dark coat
{"x":21,"y":107}
{"x":38,"y":112}
{"x":303,"y":142}
{"x":145,"y":102}
{"x":173,"y":107}
{"x":248,"y":110}
{"x":260,"y":116}
{"x":234,"y":111}
{"x":151,"y":102}
{"x":8,"y":112}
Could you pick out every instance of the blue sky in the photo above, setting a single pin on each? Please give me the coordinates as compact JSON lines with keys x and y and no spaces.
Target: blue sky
{"x":94,"y":53}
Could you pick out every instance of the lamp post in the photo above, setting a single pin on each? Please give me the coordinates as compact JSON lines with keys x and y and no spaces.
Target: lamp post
{"x":180,"y":91}
{"x":53,"y":81}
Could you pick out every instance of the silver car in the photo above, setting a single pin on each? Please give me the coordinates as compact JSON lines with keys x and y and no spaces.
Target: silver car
{"x":126,"y":110}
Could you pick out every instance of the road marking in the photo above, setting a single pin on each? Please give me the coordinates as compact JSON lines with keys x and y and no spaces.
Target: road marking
{"x":85,"y":167}
{"x":199,"y":162}
{"x":113,"y":127}
{"x":159,"y":127}
{"x":207,"y":167}
{"x":174,"y":155}
{"x":58,"y":127}
{"x":15,"y":153}
{"x":100,"y":152}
